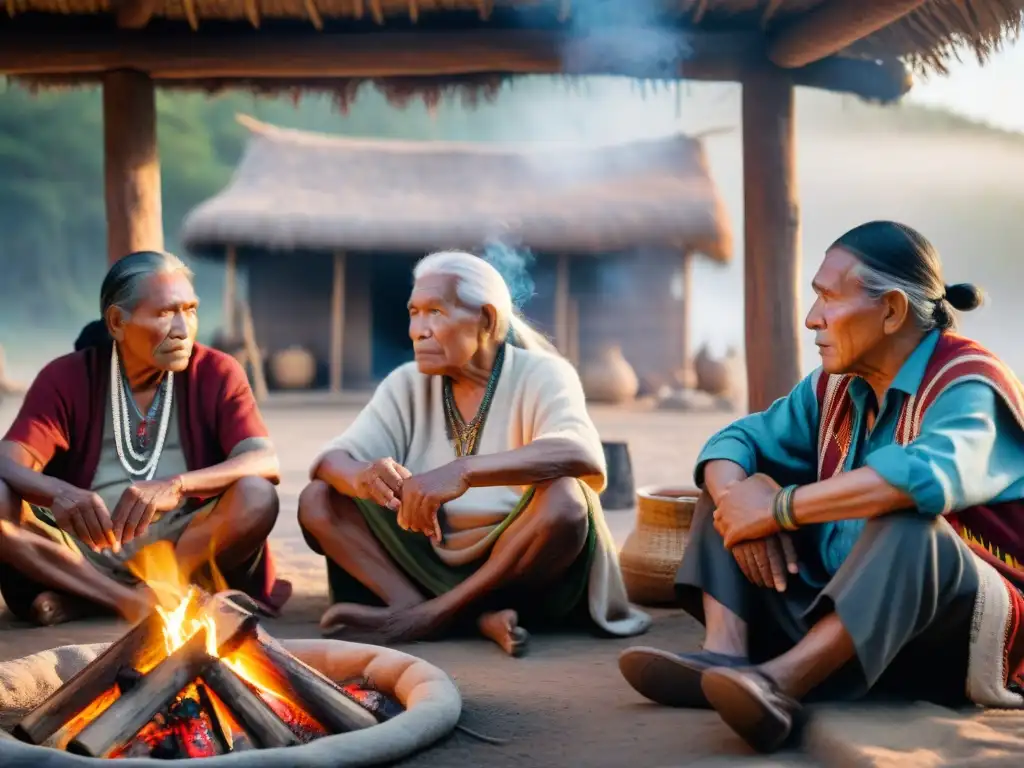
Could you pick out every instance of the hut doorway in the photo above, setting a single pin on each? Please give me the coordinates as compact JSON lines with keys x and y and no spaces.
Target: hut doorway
{"x":390,"y":284}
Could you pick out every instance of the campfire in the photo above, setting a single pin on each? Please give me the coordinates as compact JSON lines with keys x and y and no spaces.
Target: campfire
{"x":199,"y":677}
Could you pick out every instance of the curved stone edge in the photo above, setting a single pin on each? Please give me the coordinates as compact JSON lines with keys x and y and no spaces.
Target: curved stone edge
{"x":433,"y":707}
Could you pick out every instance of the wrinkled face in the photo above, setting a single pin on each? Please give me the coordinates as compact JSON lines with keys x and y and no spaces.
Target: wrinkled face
{"x":445,"y":333}
{"x":161,"y":330}
{"x":848,"y":324}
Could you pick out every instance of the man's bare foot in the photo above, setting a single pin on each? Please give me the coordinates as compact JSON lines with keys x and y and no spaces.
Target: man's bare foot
{"x":503,"y":628}
{"x":367,"y":623}
{"x":52,"y":608}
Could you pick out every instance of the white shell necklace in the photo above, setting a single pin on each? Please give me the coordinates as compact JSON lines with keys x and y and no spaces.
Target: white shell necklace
{"x":122,"y":425}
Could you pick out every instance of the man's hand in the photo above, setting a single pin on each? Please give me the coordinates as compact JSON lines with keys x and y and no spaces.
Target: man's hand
{"x":766,"y":562}
{"x":423,"y":495}
{"x":744,"y":511}
{"x":381,"y":482}
{"x":84,"y":514}
{"x":140,"y":502}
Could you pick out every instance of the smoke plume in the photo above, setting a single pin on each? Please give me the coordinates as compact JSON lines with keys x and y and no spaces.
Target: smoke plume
{"x":514,"y":267}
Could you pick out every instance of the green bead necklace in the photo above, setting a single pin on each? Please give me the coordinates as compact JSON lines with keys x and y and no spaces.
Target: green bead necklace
{"x":464,"y":436}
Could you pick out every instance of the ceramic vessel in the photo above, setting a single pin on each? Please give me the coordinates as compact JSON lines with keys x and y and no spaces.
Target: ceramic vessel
{"x":293,"y":368}
{"x":712,"y":375}
{"x":609,"y":378}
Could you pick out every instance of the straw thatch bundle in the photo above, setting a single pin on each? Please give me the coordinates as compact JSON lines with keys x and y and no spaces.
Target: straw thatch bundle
{"x":926,"y":36}
{"x":298,"y":190}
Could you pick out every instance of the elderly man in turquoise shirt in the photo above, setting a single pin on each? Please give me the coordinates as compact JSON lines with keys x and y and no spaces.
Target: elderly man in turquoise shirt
{"x":867,"y":530}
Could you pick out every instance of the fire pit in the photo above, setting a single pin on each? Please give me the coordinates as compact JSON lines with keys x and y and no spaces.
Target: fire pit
{"x":201,"y":678}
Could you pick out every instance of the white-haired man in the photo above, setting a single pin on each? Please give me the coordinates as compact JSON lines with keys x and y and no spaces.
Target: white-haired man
{"x":467,"y":488}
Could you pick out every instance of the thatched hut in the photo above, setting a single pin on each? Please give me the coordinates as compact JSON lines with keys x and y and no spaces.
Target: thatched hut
{"x":865,"y":47}
{"x":328,"y":228}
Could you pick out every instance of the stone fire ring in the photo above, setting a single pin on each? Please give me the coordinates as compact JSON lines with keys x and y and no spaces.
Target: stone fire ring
{"x":433,"y":707}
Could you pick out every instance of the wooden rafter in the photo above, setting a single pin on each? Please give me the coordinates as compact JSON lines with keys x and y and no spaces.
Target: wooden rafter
{"x":718,"y":57}
{"x":833,"y":26}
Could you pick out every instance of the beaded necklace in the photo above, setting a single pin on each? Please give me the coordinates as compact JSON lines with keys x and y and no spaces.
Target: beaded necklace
{"x":464,"y":436}
{"x":122,"y":425}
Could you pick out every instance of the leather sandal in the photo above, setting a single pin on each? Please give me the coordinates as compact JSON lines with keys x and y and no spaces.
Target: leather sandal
{"x":752,"y":705}
{"x":672,"y":679}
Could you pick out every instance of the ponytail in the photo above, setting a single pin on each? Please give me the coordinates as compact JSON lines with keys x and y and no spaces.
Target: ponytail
{"x":521,"y":334}
{"x":94,"y":334}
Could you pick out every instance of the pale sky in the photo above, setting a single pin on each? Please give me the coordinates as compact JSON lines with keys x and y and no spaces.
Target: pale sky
{"x":993,"y":94}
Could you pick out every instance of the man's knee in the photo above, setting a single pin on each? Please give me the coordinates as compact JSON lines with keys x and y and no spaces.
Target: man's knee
{"x":257,"y":502}
{"x":564,"y":509}
{"x":907,"y":526}
{"x":909,"y":540}
{"x":315,"y":506}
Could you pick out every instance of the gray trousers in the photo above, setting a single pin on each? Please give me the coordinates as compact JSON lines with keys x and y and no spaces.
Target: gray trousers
{"x":905,"y":594}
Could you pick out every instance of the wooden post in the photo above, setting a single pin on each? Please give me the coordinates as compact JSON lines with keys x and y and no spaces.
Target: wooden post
{"x":771,"y":240}
{"x":230,"y":291}
{"x":573,"y":345}
{"x":687,"y":300}
{"x":562,"y":304}
{"x":252,"y":351}
{"x":338,"y":322}
{"x":131,"y":164}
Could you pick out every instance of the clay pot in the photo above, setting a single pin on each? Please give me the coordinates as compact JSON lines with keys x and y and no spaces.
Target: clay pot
{"x":609,"y":378}
{"x":712,"y":375}
{"x":293,"y":368}
{"x":651,"y":555}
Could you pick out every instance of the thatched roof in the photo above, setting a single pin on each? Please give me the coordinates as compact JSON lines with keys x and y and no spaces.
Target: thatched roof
{"x":926,"y":35}
{"x":295,"y":190}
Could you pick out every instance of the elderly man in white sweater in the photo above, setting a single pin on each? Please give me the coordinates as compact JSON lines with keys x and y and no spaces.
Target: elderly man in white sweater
{"x":467,"y":489}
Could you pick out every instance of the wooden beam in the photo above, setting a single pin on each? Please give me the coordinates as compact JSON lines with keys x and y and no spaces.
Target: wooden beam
{"x":687,"y":301}
{"x":230,"y":292}
{"x":131,"y":165}
{"x":260,"y":390}
{"x":573,"y":354}
{"x":718,"y":57}
{"x":771,"y":264}
{"x":337,"y":323}
{"x":561,"y":313}
{"x":833,"y":26}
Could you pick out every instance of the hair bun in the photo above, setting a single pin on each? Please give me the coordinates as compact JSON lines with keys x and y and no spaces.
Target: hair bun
{"x":964,"y":296}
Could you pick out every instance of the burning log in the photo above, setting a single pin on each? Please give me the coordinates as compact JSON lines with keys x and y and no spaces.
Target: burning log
{"x":324,"y":700}
{"x":137,"y":706}
{"x":82,"y":689}
{"x":222,"y":729}
{"x":250,"y":710}
{"x":196,"y":680}
{"x":320,"y":696}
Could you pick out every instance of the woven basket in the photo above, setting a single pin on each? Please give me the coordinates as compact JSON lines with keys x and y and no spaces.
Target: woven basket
{"x":653,"y":550}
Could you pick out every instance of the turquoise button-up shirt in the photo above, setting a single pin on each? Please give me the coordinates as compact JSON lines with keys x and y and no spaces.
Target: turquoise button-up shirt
{"x":970,"y":450}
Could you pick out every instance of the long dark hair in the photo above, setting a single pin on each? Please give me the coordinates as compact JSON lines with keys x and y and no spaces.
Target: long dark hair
{"x":120,"y":289}
{"x":894,"y":256}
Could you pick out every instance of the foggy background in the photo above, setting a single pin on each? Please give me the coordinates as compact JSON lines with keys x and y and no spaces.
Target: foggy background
{"x":955,"y":180}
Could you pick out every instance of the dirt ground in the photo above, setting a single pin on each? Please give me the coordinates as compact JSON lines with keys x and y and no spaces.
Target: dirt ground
{"x":565,"y":704}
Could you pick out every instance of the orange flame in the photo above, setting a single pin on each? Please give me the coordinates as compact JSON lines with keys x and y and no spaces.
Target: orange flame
{"x":178,"y":605}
